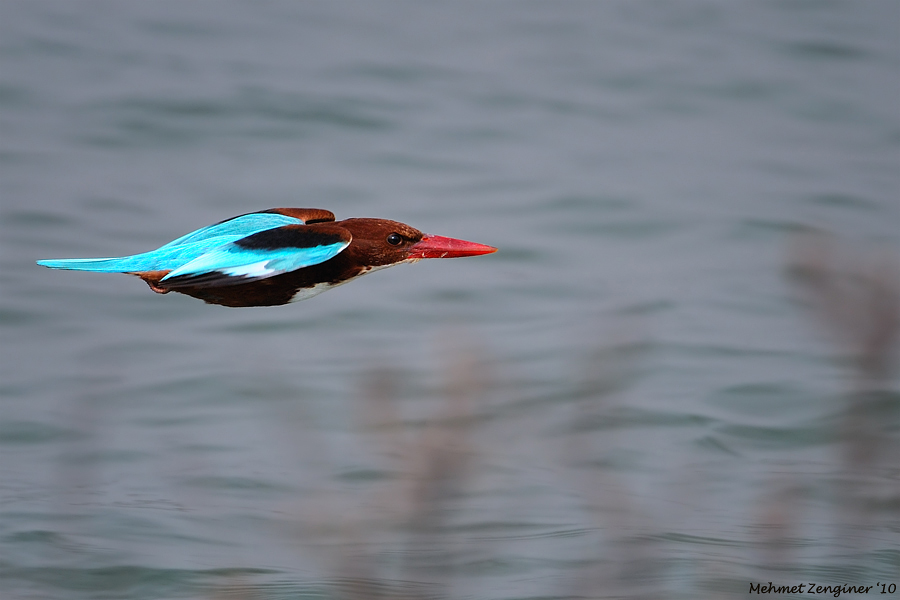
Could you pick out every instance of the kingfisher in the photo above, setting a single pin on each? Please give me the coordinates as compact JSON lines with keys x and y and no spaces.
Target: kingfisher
{"x":275,"y":256}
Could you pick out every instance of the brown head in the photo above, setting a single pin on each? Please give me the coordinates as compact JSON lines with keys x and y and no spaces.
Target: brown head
{"x":381,"y":242}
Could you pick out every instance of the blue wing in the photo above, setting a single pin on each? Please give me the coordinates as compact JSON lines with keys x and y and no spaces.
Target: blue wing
{"x":262,"y":255}
{"x":216,"y":250}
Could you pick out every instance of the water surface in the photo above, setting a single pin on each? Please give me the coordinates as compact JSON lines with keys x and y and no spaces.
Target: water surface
{"x":632,"y":398}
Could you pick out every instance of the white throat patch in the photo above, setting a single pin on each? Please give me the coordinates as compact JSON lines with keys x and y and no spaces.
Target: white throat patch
{"x":305,"y":293}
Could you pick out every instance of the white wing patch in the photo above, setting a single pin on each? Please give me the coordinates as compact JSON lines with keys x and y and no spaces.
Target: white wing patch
{"x":256,"y":270}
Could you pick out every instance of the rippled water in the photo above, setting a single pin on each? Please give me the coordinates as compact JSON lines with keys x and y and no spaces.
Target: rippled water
{"x":633,"y":398}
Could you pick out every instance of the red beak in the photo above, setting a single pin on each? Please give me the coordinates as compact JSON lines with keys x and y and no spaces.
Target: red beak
{"x":436,"y":246}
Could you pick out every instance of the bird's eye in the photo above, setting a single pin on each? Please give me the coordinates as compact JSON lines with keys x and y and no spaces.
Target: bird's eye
{"x":394,"y":239}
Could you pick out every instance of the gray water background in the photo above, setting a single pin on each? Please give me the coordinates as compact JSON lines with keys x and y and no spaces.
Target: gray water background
{"x":630,"y":397}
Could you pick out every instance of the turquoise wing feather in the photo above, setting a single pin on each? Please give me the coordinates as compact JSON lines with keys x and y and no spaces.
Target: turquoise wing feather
{"x":245,"y":248}
{"x":239,"y":227}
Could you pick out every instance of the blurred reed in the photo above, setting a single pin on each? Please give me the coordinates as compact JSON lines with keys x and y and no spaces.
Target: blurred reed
{"x":430,"y":464}
{"x":628,"y":561}
{"x":853,"y":296}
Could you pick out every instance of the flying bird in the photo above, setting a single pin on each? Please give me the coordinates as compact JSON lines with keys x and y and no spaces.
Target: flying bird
{"x":275,"y":256}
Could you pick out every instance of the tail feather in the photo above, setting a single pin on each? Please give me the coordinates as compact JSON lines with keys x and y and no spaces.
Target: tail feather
{"x":123,"y":264}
